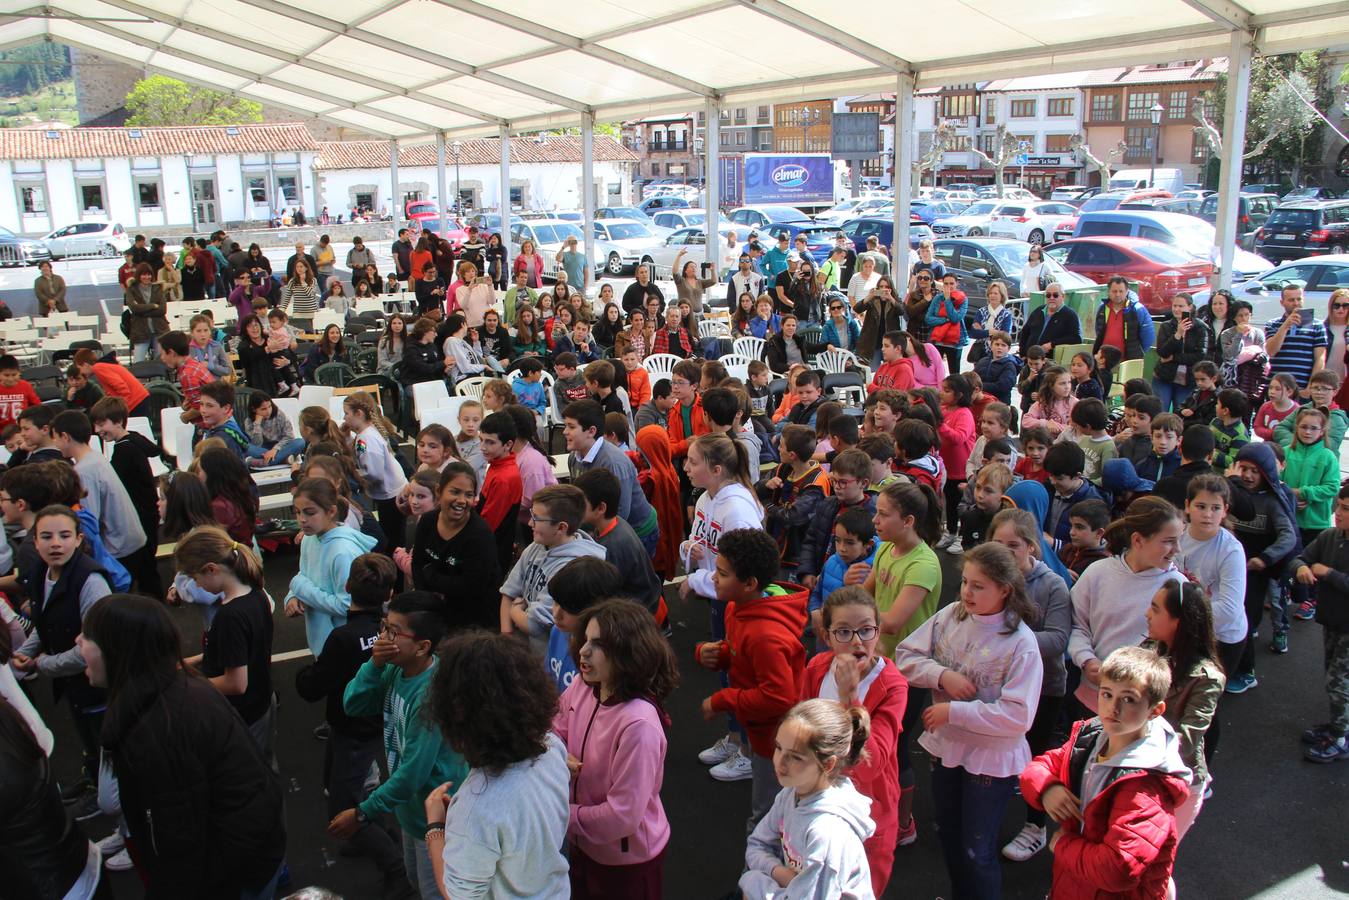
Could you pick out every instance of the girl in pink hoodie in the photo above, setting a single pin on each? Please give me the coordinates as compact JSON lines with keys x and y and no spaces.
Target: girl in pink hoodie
{"x":957,"y":436}
{"x":613,"y":724}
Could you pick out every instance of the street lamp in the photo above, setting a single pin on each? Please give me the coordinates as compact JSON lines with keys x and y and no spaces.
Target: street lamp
{"x":806,"y":114}
{"x":455,"y":148}
{"x":1155,"y":113}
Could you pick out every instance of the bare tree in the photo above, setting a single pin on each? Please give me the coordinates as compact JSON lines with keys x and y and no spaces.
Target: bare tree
{"x":1278,"y":112}
{"x":943,"y":139}
{"x":1006,"y":147}
{"x":1079,"y":145}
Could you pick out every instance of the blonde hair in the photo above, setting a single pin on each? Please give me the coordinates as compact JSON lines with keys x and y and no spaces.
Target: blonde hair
{"x":364,"y":403}
{"x":207,"y":544}
{"x":730,"y":456}
{"x":1024,"y":523}
{"x":833,"y":732}
{"x":1139,"y":668}
{"x":996,"y":475}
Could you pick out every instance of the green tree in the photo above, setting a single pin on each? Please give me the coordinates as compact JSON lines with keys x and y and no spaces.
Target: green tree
{"x":32,"y":68}
{"x":160,"y":100}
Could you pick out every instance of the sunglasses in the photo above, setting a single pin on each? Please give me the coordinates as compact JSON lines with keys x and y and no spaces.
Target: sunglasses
{"x":840,"y":309}
{"x":924,"y":278}
{"x":1339,"y":306}
{"x":1053,"y":294}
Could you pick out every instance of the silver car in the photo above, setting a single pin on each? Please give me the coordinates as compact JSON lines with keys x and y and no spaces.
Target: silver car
{"x":630,"y":243}
{"x":973,"y":221}
{"x":1320,"y":276}
{"x":692,"y":241}
{"x":549,"y":236}
{"x":88,"y":239}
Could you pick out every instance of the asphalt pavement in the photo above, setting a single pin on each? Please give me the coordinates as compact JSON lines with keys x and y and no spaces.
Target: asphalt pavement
{"x":1271,"y":830}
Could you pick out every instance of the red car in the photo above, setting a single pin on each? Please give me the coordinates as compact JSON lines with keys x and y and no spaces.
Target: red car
{"x":1161,"y":270}
{"x":427,"y":215}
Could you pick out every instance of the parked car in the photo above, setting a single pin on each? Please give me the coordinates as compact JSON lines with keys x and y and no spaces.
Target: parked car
{"x":1161,"y":270}
{"x":1264,"y":188}
{"x":759,"y":216}
{"x":858,"y":230}
{"x":1030,"y":222}
{"x":1171,"y":180}
{"x":621,"y":212}
{"x":1105,"y":201}
{"x":851,"y":209}
{"x":1068,"y":192}
{"x":88,"y":239}
{"x":1189,"y":206}
{"x":979,"y":261}
{"x":928,"y":211}
{"x":973,"y":220}
{"x":1320,"y":276}
{"x":1304,"y":228}
{"x":691,"y":240}
{"x":672,"y":219}
{"x":631,"y":243}
{"x":1194,"y":236}
{"x":1252,"y":211}
{"x":20,"y":251}
{"x":426,"y":214}
{"x":663,"y":201}
{"x":549,"y":235}
{"x":1009,"y":192}
{"x":1310,"y":192}
{"x":1194,"y":193}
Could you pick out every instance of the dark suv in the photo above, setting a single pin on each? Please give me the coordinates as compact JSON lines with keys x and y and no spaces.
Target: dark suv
{"x":1304,"y":228}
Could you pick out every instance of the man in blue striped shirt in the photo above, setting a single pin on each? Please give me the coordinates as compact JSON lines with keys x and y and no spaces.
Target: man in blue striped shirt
{"x":1296,"y":342}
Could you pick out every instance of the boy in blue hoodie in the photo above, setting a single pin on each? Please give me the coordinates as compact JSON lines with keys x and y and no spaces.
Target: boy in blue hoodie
{"x":577,"y":586}
{"x":1065,"y":463}
{"x":853,"y":541}
{"x":1270,"y":538}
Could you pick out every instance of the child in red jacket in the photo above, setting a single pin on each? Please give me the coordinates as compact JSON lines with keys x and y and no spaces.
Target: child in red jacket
{"x":1114,"y":788}
{"x":16,"y":394}
{"x":855,"y":675}
{"x":762,"y":651}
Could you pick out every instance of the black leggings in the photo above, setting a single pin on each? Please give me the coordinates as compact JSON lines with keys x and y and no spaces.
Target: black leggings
{"x":912,"y":723}
{"x":1257,"y":588}
{"x":952,"y":493}
{"x":952,"y":357}
{"x":1040,"y":738}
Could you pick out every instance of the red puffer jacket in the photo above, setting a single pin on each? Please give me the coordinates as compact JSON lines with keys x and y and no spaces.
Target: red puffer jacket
{"x":1126,"y":844}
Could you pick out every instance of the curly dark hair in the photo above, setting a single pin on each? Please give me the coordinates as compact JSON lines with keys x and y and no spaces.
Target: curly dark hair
{"x":492,"y":700}
{"x":643,"y":664}
{"x":752,"y":554}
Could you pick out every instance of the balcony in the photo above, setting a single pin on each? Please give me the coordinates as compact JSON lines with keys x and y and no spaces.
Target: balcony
{"x":668,"y":146}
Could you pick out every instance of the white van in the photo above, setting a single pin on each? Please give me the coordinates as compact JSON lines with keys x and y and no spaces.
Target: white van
{"x":1137,"y":179}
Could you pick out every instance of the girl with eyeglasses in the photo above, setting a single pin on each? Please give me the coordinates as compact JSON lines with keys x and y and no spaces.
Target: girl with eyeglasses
{"x":854,"y":674}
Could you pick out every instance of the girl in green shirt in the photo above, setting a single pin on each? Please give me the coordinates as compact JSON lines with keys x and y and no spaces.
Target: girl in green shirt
{"x":906,"y":582}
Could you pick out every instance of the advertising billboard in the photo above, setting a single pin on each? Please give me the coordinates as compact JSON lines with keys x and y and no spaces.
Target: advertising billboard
{"x":789,"y":178}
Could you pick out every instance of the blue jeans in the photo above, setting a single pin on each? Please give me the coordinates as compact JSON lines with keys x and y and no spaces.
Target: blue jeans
{"x":287,"y":450}
{"x":969,"y":811}
{"x":417,"y":863}
{"x":141,"y":350}
{"x":1171,"y":394}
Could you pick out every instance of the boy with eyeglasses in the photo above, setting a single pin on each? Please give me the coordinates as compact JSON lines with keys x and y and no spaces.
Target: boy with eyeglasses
{"x":849,"y":478}
{"x":852,"y":539}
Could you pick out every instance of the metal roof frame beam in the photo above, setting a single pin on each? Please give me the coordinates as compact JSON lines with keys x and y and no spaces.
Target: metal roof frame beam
{"x":1294,"y":16}
{"x":781,"y":12}
{"x":337,"y":28}
{"x":1225,"y":13}
{"x":566,"y":41}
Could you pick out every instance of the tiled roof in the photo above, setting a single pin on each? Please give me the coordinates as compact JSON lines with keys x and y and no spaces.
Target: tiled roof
{"x":480,"y":152}
{"x":73,"y":143}
{"x":1034,"y":83}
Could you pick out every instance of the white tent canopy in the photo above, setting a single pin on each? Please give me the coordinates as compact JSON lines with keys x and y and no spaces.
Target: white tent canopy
{"x":412,"y":68}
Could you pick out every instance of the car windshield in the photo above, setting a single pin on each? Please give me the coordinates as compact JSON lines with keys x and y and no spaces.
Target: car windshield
{"x":625,"y":230}
{"x":1099,"y":203}
{"x":5,"y":232}
{"x":818,"y":235}
{"x":845,"y":206}
{"x":980,"y":209}
{"x":1292,"y":218}
{"x":1163,"y":253}
{"x":1209,"y":206}
{"x":1011,"y":257}
{"x":695,"y":218}
{"x":782,"y":213}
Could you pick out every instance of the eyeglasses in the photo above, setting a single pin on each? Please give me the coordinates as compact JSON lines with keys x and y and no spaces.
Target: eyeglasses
{"x":845,"y":635}
{"x":841,"y":481}
{"x":680,"y":382}
{"x":1339,"y":306}
{"x":533,"y":518}
{"x":1054,"y":294}
{"x":387,"y":627}
{"x":840,"y":309}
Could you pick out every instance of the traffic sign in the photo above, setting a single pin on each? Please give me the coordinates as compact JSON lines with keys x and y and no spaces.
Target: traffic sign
{"x":1021,"y":158}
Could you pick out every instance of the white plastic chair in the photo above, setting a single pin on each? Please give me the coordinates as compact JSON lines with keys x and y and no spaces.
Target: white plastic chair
{"x":290,"y":408}
{"x":851,"y":394}
{"x":325,"y":317}
{"x":315,"y":395}
{"x":737,"y":366}
{"x":428,"y":395}
{"x":177,"y":440}
{"x":835,"y":362}
{"x":750,"y":346}
{"x":447,"y":415}
{"x":713,"y":328}
{"x":141,"y":425}
{"x":660,"y":365}
{"x":472,"y":387}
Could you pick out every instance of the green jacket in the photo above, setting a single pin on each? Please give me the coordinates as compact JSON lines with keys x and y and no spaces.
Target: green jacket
{"x":419,"y":761}
{"x":1339,"y":422}
{"x":1314,"y":472}
{"x":1190,"y":705}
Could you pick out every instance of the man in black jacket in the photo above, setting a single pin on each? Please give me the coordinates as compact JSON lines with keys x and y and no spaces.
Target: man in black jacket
{"x":402,"y":255}
{"x":1052,"y":324}
{"x":355,"y":741}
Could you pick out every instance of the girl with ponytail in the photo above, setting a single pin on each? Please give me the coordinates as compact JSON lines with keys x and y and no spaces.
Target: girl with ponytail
{"x":237,"y":647}
{"x":721,"y":468}
{"x":818,"y":812}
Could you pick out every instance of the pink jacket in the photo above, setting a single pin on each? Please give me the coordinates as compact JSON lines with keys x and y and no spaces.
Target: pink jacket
{"x":957,"y":437}
{"x":536,"y":471}
{"x":1059,"y":411}
{"x":929,"y":372}
{"x":616,"y":815}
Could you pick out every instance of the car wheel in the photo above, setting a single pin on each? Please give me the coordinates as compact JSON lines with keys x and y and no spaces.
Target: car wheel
{"x":108,"y":251}
{"x":1037,"y":236}
{"x":1337,"y":248}
{"x":974,"y":232}
{"x":615,"y":264}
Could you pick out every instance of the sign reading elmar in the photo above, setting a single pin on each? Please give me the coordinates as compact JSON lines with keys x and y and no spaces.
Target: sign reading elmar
{"x":788,"y":178}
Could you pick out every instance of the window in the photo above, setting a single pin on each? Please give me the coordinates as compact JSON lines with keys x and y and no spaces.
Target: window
{"x":257,"y":189}
{"x":1104,"y":107}
{"x":1140,"y":104}
{"x":765,"y":142}
{"x":1178,"y":105}
{"x":1200,"y":151}
{"x":1058,"y":143}
{"x":1060,"y":106}
{"x":1139,"y":139}
{"x":740,"y":139}
{"x":702,"y":117}
{"x":990,"y":110}
{"x":960,"y":143}
{"x":1023,"y":109}
{"x":725,"y":115}
{"x":147,"y":194}
{"x":33,"y":199}
{"x":91,"y":197}
{"x":959,"y":106}
{"x":655,"y":168}
{"x":289,"y":188}
{"x":740,"y":116}
{"x":986,"y":142}
{"x":763,"y":114}
{"x":1025,"y":140}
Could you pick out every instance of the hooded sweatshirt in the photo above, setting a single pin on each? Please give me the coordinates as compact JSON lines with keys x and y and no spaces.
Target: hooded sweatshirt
{"x":897,"y":376}
{"x":616,"y":817}
{"x":530,"y":576}
{"x":1315,"y":472}
{"x":321,"y":583}
{"x":1110,"y":604}
{"x":734,"y":506}
{"x":1125,"y":845}
{"x":985,"y":735}
{"x":819,"y":837}
{"x":1034,"y":497}
{"x":1271,"y":531}
{"x":1049,"y":592}
{"x":766,"y":661}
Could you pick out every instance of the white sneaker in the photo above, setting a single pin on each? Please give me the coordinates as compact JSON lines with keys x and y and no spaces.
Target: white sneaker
{"x":737,"y":768}
{"x":120,"y":862}
{"x":956,"y":547}
{"x":719,"y":752}
{"x":112,"y":844}
{"x":944,"y":541}
{"x":1030,"y":841}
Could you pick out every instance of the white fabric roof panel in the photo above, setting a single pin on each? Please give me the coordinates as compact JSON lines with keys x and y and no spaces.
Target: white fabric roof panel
{"x":410,"y":68}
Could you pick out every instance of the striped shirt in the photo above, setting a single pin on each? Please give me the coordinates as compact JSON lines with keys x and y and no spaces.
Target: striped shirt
{"x":1298,"y":353}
